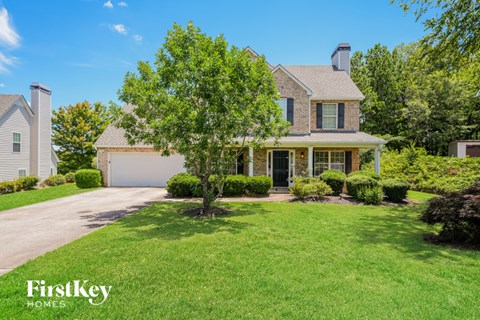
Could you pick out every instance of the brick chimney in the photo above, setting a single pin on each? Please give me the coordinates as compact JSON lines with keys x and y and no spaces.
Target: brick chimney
{"x":41,"y":151}
{"x":341,"y":57}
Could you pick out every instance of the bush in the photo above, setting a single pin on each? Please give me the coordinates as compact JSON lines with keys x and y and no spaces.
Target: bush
{"x":259,"y":185}
{"x":459,"y":215}
{"x":372,"y":196}
{"x":359,"y":182}
{"x":235,"y":185}
{"x":70,"y":177}
{"x":28,"y":182}
{"x":88,"y":178}
{"x":335,"y":179}
{"x":395,"y":190}
{"x":312,"y":188}
{"x":369,"y":174}
{"x":8,"y":187}
{"x":184,"y":185}
{"x":55,"y":180}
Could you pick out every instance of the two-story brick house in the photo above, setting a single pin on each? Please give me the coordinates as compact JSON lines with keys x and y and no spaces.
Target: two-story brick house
{"x":322,"y":105}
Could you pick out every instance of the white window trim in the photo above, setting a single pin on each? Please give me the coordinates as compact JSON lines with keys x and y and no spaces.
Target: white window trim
{"x":24,"y":169}
{"x":330,"y":159}
{"x":336,"y":116}
{"x":13,"y":133}
{"x":291,"y":163}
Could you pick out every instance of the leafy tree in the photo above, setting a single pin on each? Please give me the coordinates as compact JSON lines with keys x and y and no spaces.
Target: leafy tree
{"x":454,"y":33}
{"x":75,"y":129}
{"x":200,"y":99}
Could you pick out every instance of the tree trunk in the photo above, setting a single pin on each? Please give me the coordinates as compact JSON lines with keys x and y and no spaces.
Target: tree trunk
{"x":206,"y":198}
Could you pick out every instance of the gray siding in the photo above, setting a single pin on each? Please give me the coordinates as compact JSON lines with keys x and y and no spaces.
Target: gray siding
{"x":41,"y":134}
{"x":17,"y":119}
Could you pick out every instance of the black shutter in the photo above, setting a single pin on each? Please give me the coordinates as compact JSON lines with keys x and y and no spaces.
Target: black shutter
{"x":290,"y":110}
{"x":348,"y":162}
{"x":341,"y":116}
{"x":240,"y":163}
{"x":319,"y":115}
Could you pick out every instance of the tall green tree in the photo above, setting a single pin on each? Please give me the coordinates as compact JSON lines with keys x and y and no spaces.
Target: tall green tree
{"x":75,"y":128}
{"x":453,"y":32}
{"x":199,"y":99}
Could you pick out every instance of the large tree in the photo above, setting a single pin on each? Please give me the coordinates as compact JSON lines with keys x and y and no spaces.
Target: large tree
{"x":75,"y":128}
{"x":453,"y":30}
{"x":200,"y":99}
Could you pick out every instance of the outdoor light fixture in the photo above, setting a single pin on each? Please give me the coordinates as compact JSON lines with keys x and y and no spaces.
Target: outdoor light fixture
{"x":302,"y":154}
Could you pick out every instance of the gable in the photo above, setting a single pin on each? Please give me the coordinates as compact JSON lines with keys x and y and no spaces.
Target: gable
{"x":8,"y":101}
{"x":286,"y":82}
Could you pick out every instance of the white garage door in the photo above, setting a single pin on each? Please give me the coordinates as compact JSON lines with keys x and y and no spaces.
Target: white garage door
{"x":143,"y":169}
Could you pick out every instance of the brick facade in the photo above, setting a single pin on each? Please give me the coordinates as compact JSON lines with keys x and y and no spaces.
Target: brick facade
{"x":352,"y":115}
{"x":288,"y":88}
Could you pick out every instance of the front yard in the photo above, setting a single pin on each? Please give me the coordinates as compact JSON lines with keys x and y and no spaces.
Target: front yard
{"x":25,"y":198}
{"x":262,"y":261}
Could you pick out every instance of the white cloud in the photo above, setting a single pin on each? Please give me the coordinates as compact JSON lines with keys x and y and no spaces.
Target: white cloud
{"x":2,"y":85}
{"x":123,"y":4}
{"x":120,"y":28}
{"x":8,"y":36}
{"x":108,"y":4}
{"x":6,"y":62}
{"x":138,"y":38}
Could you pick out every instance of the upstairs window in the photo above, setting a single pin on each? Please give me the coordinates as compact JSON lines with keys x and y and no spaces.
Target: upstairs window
{"x":282,"y":102}
{"x":17,"y":140}
{"x":329,"y":118}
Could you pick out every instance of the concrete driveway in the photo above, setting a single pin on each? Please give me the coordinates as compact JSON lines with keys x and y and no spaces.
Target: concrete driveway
{"x":28,"y":232}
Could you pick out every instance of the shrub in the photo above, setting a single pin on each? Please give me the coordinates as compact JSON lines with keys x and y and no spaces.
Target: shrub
{"x":235,"y":185}
{"x":395,"y":190}
{"x":335,"y":179}
{"x":372,"y":196}
{"x":184,"y":185}
{"x":459,"y":215}
{"x":259,"y":185}
{"x":88,"y":178}
{"x":303,"y":188}
{"x":369,"y":174}
{"x":70,"y":177}
{"x":8,"y":187}
{"x":359,"y":182}
{"x":55,"y":180}
{"x":28,"y":182}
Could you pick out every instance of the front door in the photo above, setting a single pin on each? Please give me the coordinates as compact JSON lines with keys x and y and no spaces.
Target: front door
{"x":280,"y":168}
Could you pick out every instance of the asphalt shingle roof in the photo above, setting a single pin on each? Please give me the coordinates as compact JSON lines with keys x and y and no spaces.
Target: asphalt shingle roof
{"x":6,"y":101}
{"x":326,"y":82}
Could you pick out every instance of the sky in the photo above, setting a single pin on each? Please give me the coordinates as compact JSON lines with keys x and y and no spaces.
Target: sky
{"x":82,"y":49}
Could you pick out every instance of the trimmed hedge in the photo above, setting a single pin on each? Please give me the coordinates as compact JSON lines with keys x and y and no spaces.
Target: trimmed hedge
{"x":259,"y":185}
{"x":8,"y":187}
{"x":313,"y":188}
{"x":55,"y":180}
{"x":184,"y":185}
{"x":88,"y":178}
{"x":235,"y":185}
{"x":359,"y":182}
{"x":373,"y":196}
{"x":335,"y":179}
{"x":369,"y":174}
{"x":395,"y":190}
{"x":70,"y":177}
{"x":28,"y":182}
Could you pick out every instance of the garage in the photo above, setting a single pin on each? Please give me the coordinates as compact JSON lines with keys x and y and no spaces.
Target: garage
{"x":144,"y":169}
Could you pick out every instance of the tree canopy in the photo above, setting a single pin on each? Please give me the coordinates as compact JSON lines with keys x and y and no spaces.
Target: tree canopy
{"x":201,"y":98}
{"x":75,"y":128}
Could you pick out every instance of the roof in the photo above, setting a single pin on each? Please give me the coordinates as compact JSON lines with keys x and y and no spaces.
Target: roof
{"x":6,"y":101}
{"x":326,"y":82}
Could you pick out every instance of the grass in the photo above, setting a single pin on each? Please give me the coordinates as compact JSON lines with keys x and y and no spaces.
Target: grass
{"x":25,"y":198}
{"x":262,"y":261}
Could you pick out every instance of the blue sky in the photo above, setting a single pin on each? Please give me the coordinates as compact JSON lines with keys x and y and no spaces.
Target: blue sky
{"x":82,"y":49}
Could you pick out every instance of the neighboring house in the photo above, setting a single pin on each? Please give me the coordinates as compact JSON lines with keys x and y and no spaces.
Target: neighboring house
{"x":25,"y":135}
{"x":322,"y":104}
{"x":464,"y":148}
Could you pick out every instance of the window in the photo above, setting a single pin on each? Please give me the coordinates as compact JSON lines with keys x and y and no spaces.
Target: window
{"x":17,"y":138}
{"x":22,"y":173}
{"x":328,"y":160}
{"x":237,"y":165}
{"x":282,"y":102}
{"x":329,"y":116}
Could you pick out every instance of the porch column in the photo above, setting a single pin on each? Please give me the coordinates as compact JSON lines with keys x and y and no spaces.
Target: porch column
{"x":310,"y":161}
{"x":250,"y":162}
{"x":377,"y":159}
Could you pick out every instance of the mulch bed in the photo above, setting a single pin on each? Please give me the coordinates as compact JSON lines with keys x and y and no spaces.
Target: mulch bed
{"x":435,"y":239}
{"x":196,"y":212}
{"x":346,"y":199}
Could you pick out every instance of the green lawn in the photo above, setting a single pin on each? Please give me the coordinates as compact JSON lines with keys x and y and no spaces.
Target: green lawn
{"x":263,"y":261}
{"x":25,"y":198}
